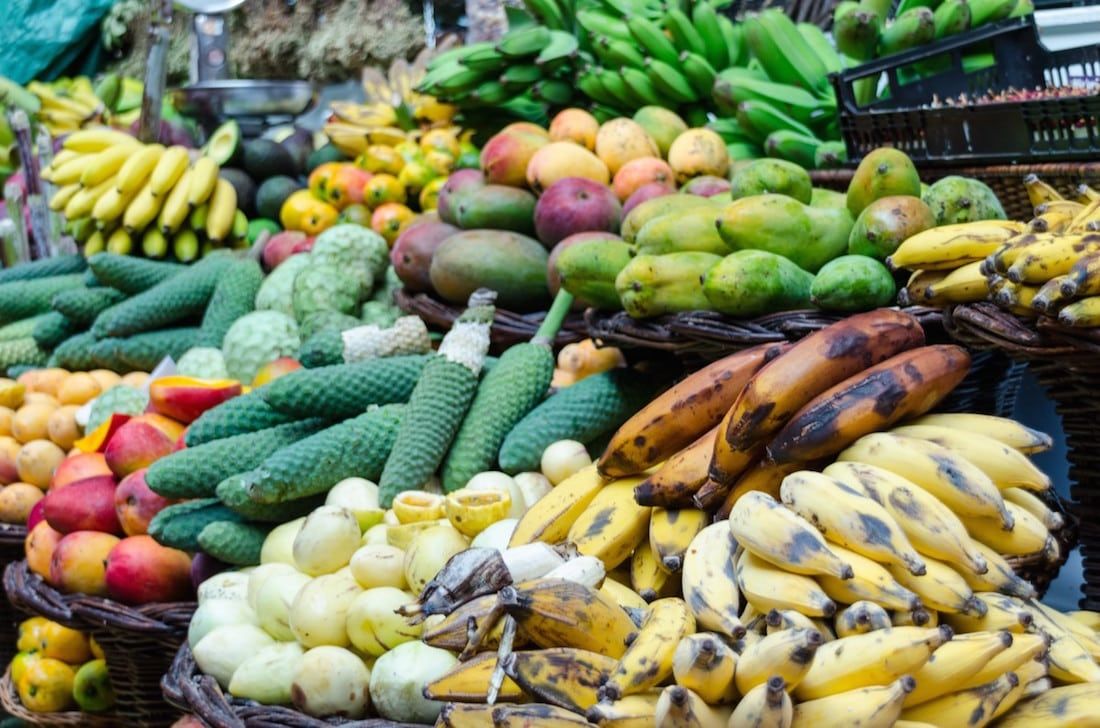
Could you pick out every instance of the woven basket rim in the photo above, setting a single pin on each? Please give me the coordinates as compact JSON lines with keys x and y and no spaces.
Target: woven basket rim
{"x":13,"y":534}
{"x":985,"y":325}
{"x":9,"y":698}
{"x":185,"y":687}
{"x":976,"y":170}
{"x":30,"y":593}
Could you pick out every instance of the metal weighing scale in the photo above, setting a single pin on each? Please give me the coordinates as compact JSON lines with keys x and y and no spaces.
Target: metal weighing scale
{"x":212,"y":97}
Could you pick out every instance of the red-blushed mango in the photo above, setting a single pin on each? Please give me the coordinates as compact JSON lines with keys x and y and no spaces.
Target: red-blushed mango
{"x":136,"y":503}
{"x":575,"y":205}
{"x":575,"y":125}
{"x":622,"y":140}
{"x":458,"y":184}
{"x":79,"y":562}
{"x":39,"y":547}
{"x":411,"y":255}
{"x":185,"y":398}
{"x":639,"y":172}
{"x":140,"y":442}
{"x":505,"y":157}
{"x":697,"y":152}
{"x":707,"y":185}
{"x":274,"y":369}
{"x":87,"y":505}
{"x":553,"y":278}
{"x":140,"y":570}
{"x":644,"y":193}
{"x":559,"y":160}
{"x":78,"y":467}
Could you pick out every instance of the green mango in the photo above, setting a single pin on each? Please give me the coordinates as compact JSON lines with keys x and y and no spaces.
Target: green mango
{"x":828,"y":198}
{"x":683,"y":230}
{"x":497,"y":207}
{"x":754,"y":282}
{"x":588,"y":269}
{"x":655,"y":207}
{"x":772,"y":176}
{"x":882,"y":173}
{"x":853,"y":283}
{"x":808,"y":236}
{"x":652,"y":285}
{"x":957,"y":199}
{"x":886,"y":223}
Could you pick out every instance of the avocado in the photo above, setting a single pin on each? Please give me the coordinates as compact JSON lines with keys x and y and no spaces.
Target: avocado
{"x":265,"y":158}
{"x":327,"y":153}
{"x":300,"y":145}
{"x":224,"y":145}
{"x":245,"y":187}
{"x":272,"y":193}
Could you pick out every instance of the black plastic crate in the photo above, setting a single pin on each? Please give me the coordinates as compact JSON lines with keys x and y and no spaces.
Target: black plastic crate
{"x":1035,"y":130}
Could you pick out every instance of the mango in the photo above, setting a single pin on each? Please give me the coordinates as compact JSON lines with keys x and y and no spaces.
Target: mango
{"x":509,"y":263}
{"x":185,"y":398}
{"x":411,"y":254}
{"x":78,"y":467}
{"x":957,"y":199}
{"x":853,"y":283}
{"x":588,"y":269}
{"x":638,"y":173}
{"x":882,"y":173}
{"x":808,"y":236}
{"x":141,"y":441}
{"x":575,"y":205}
{"x":775,"y":176}
{"x":650,"y":209}
{"x":459,"y":184}
{"x":88,"y":505}
{"x":644,"y":193}
{"x":140,"y":571}
{"x":662,"y":125}
{"x":697,"y":152}
{"x":497,"y":207}
{"x":505,"y":157}
{"x":707,"y":185}
{"x":754,"y":282}
{"x":623,"y":140}
{"x":682,"y":230}
{"x":79,"y":562}
{"x":886,"y":223}
{"x":822,"y":197}
{"x":559,"y":160}
{"x":575,"y":125}
{"x":652,"y":285}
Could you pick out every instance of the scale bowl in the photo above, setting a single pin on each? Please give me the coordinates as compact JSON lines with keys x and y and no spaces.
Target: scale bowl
{"x":212,"y":102}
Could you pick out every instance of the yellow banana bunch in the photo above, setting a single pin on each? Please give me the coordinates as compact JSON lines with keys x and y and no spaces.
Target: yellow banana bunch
{"x":787,"y":654}
{"x":648,"y":660}
{"x":648,"y":578}
{"x":105,"y":164}
{"x":1003,"y":429}
{"x":848,"y":517}
{"x":767,"y":587}
{"x":613,"y":524}
{"x":562,"y":676}
{"x":702,"y":662}
{"x":765,"y":706}
{"x":955,"y":662}
{"x":552,"y":516}
{"x":1001,"y":613}
{"x":469,"y":682}
{"x":953,"y":246}
{"x":865,"y":660}
{"x":203,"y":181}
{"x":973,"y":707}
{"x":169,"y":168}
{"x":559,"y":613}
{"x":679,"y":707}
{"x":965,"y":284}
{"x":135,"y":172}
{"x":1005,"y":466}
{"x":1028,"y":535}
{"x":778,"y":535}
{"x":874,"y":706}
{"x":365,"y":115}
{"x":709,"y":592}
{"x":633,"y":711}
{"x":870,"y":581}
{"x":142,"y":210}
{"x":940,"y":588}
{"x":1026,"y":647}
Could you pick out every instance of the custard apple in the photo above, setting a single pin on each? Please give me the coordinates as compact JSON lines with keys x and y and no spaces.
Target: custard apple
{"x":354,"y":247}
{"x":377,"y":312}
{"x":120,"y":399}
{"x":277,"y":291}
{"x":325,"y":320}
{"x":390,"y":283}
{"x":324,"y":287}
{"x":256,"y":339}
{"x":204,"y":362}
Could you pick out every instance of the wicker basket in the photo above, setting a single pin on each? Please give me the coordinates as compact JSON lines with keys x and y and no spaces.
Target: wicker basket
{"x":989,"y":388}
{"x":188,"y":689}
{"x":138,"y":642}
{"x":508,"y":327}
{"x":1005,"y":180}
{"x":9,"y":699}
{"x":12,"y":538}
{"x":1067,"y":364}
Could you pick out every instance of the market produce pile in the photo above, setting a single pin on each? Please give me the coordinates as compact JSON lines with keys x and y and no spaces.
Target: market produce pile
{"x":59,"y":669}
{"x":766,"y":78}
{"x":1045,"y":267}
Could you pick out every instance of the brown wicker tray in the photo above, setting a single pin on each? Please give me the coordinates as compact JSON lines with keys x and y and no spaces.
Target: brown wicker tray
{"x":989,"y":388}
{"x":509,"y":327}
{"x":1067,"y":364}
{"x":1006,"y":180}
{"x":9,"y":699}
{"x":189,"y":690}
{"x":138,"y":641}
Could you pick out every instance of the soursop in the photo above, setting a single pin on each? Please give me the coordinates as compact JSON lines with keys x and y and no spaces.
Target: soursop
{"x":391,"y":282}
{"x":120,"y":399}
{"x":354,"y":248}
{"x":324,"y":287}
{"x":379,"y":313}
{"x":203,"y":362}
{"x":320,"y":321}
{"x":277,"y":291}
{"x":256,"y":339}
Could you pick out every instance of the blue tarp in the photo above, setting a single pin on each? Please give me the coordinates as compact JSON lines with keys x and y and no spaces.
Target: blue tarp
{"x":45,"y":39}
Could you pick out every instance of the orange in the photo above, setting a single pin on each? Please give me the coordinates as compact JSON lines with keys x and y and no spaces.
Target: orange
{"x":47,"y":686}
{"x":318,"y":218}
{"x":381,"y":159}
{"x":20,"y":663}
{"x":61,"y":643}
{"x":29,"y":630}
{"x":383,"y":188}
{"x":295,"y":207}
{"x":345,"y":187}
{"x":320,"y":179}
{"x":389,"y":219}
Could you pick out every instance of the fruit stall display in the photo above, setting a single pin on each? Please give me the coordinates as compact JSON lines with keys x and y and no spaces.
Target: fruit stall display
{"x":57,"y":670}
{"x":886,"y":582}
